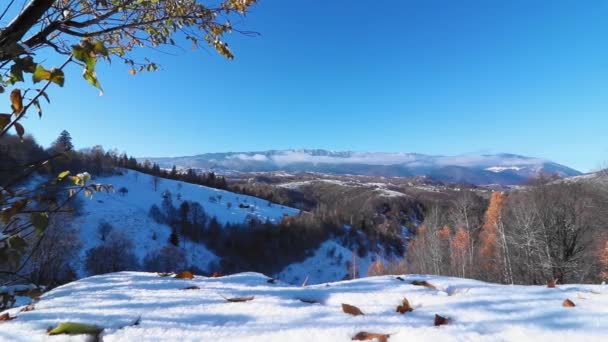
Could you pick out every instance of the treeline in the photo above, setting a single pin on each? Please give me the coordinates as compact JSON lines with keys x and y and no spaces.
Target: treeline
{"x":209,"y":179}
{"x":18,"y":154}
{"x":253,"y":245}
{"x":541,"y":232}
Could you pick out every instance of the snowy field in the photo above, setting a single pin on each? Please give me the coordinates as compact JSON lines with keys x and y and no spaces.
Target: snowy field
{"x":165,"y":311}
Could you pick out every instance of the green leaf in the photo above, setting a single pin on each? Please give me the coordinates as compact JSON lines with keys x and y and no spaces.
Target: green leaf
{"x":40,"y":221}
{"x":99,"y":48}
{"x":71,"y":328}
{"x":63,"y":174}
{"x":17,"y":242}
{"x":91,"y":77}
{"x":57,"y":77}
{"x":41,"y":74}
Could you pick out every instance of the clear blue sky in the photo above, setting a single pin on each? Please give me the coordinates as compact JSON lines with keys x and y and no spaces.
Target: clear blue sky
{"x":437,"y":77}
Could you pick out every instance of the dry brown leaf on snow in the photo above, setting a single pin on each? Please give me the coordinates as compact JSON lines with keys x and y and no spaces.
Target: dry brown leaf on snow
{"x":184,"y":275}
{"x":216,"y":275}
{"x":440,"y":320}
{"x":424,"y":283}
{"x":27,"y":308}
{"x":552,"y":283}
{"x":238,"y":299}
{"x":309,"y":301}
{"x":568,"y":304}
{"x":404,"y":307}
{"x":6,"y":317}
{"x":366,"y":336}
{"x":352,"y":310}
{"x":193,"y":287}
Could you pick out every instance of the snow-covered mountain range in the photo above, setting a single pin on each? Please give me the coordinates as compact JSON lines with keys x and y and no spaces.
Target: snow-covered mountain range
{"x":503,"y":168}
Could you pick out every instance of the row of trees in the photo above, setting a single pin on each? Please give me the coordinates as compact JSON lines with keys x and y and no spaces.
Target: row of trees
{"x":541,"y":232}
{"x":193,"y":176}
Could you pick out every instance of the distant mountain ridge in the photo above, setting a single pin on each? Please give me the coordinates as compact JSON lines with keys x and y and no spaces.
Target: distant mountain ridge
{"x":502,"y":168}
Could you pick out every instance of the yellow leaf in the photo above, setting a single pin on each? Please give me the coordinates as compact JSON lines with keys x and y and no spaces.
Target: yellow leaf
{"x":70,"y":328}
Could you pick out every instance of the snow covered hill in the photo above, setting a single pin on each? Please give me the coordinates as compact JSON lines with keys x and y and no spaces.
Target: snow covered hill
{"x":165,"y":310}
{"x":128,"y":214}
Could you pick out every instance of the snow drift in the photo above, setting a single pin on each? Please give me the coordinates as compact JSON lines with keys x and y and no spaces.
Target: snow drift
{"x":166,"y":311}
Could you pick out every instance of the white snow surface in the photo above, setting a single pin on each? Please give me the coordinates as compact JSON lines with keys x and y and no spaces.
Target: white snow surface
{"x":129,"y":214}
{"x":330,"y":262}
{"x":478,"y":311}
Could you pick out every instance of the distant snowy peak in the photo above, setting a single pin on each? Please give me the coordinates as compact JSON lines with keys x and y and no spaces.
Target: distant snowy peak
{"x":503,"y":168}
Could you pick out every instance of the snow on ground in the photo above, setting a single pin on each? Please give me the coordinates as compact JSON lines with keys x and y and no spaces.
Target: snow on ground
{"x":330,"y":262}
{"x":478,"y":311}
{"x":129,"y":214}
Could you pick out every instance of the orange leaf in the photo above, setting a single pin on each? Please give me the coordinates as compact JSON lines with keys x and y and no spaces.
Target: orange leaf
{"x":217,"y":275}
{"x":6,"y":317}
{"x":568,"y":304}
{"x":350,"y":309}
{"x":16,"y":101}
{"x":404,"y":307}
{"x":184,"y":275}
{"x":366,"y":336}
{"x":440,"y":320}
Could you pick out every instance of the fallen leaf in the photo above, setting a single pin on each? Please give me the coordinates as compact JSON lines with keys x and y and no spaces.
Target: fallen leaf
{"x":568,"y":304}
{"x":216,"y":275}
{"x":440,"y":320}
{"x":552,"y":283}
{"x":404,"y":307}
{"x":366,"y":336}
{"x":424,"y":283}
{"x":351,"y":309}
{"x":239,"y":299}
{"x":70,"y":328}
{"x":6,"y":317}
{"x":309,"y":301}
{"x":184,"y":275}
{"x":193,"y":287}
{"x":27,"y":308}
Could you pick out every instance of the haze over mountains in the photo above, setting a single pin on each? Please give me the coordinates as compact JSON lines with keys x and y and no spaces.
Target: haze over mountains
{"x":503,"y":168}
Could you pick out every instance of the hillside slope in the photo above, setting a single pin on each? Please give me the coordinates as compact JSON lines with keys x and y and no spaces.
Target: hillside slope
{"x":128,"y":214}
{"x":164,"y":311}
